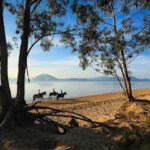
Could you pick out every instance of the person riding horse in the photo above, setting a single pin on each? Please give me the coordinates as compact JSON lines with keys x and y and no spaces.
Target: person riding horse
{"x":54,"y":93}
{"x":39,"y":95}
{"x":61,"y":95}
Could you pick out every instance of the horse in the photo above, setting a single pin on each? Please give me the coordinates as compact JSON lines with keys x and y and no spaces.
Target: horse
{"x":53,"y":94}
{"x":61,"y":95}
{"x":40,"y":95}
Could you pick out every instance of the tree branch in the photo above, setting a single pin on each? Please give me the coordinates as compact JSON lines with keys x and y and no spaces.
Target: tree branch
{"x":81,"y":117}
{"x":34,"y":8}
{"x":135,"y":51}
{"x":50,"y":34}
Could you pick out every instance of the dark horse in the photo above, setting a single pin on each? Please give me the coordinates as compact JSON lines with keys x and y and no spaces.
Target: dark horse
{"x":61,"y":95}
{"x":39,"y":96}
{"x":53,"y":94}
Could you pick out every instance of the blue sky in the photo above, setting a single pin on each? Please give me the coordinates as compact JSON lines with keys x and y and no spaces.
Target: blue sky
{"x":60,"y":61}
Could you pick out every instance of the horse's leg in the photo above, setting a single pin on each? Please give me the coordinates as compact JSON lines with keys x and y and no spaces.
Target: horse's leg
{"x":57,"y":97}
{"x":50,"y":96}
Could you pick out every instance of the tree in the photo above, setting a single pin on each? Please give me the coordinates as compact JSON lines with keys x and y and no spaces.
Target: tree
{"x":110,"y":36}
{"x":5,"y":89}
{"x":37,"y":21}
{"x":39,"y":24}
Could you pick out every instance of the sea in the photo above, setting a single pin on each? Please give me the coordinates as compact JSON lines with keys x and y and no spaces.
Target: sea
{"x":73,"y":88}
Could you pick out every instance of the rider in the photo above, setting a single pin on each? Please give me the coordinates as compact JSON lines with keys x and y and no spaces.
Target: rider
{"x":39,"y":91}
{"x":61,"y":91}
{"x":54,"y":90}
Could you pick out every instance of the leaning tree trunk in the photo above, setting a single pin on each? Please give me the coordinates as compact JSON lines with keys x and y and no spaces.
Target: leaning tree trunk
{"x":123,"y":67}
{"x":23,"y":56}
{"x":127,"y":78}
{"x":6,"y":101}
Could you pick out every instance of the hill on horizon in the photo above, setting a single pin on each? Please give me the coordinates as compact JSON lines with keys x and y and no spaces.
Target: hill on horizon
{"x":44,"y":77}
{"x":47,"y":77}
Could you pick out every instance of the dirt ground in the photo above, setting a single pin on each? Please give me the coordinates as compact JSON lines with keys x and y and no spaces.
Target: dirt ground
{"x":129,"y":122}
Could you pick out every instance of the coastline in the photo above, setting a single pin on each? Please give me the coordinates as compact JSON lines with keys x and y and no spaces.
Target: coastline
{"x":95,"y":98}
{"x":101,"y":107}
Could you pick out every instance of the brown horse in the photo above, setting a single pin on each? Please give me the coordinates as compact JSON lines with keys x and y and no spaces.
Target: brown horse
{"x":39,"y":96}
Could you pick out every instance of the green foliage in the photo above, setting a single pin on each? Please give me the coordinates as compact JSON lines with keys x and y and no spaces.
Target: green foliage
{"x":109,"y":37}
{"x":46,"y":20}
{"x":103,"y":35}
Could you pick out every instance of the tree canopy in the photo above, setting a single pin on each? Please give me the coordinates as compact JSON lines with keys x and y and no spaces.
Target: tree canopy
{"x":110,"y":35}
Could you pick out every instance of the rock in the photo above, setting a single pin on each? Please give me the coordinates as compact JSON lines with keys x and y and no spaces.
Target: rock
{"x":73,"y":123}
{"x":61,"y":130}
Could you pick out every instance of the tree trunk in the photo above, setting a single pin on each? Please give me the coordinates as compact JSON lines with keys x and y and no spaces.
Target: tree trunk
{"x":125,"y":85}
{"x":127,"y":78}
{"x":123,"y":67}
{"x":6,"y":101}
{"x":20,"y":101}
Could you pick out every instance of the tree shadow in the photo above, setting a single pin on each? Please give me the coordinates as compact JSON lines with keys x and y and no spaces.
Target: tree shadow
{"x":42,"y":137}
{"x":47,"y":134}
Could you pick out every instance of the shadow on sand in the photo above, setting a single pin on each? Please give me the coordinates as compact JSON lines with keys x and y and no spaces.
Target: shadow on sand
{"x":47,"y":136}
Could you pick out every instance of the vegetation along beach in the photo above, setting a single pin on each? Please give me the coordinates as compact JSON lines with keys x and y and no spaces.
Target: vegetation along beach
{"x":74,"y":75}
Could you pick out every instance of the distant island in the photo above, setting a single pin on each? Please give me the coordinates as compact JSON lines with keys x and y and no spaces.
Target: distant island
{"x":47,"y":77}
{"x":44,"y":77}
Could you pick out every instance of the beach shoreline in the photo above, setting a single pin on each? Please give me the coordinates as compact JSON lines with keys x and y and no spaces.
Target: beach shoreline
{"x":100,"y":108}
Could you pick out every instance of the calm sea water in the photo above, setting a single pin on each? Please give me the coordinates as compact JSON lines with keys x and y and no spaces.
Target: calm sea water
{"x":74,"y":88}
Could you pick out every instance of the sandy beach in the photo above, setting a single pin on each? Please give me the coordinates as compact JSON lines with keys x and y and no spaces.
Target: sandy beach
{"x":101,"y":107}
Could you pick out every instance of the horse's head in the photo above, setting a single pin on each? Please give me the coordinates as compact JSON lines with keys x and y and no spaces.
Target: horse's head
{"x":44,"y":93}
{"x":65,"y":93}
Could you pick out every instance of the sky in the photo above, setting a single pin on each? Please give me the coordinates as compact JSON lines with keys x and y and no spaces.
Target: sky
{"x":60,"y":61}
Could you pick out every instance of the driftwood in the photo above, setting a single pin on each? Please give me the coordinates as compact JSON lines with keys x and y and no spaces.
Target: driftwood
{"x":44,"y":118}
{"x":62,"y":113}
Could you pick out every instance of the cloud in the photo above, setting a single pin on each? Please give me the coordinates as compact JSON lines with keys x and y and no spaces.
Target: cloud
{"x":68,"y":66}
{"x":141,"y":66}
{"x":61,"y":68}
